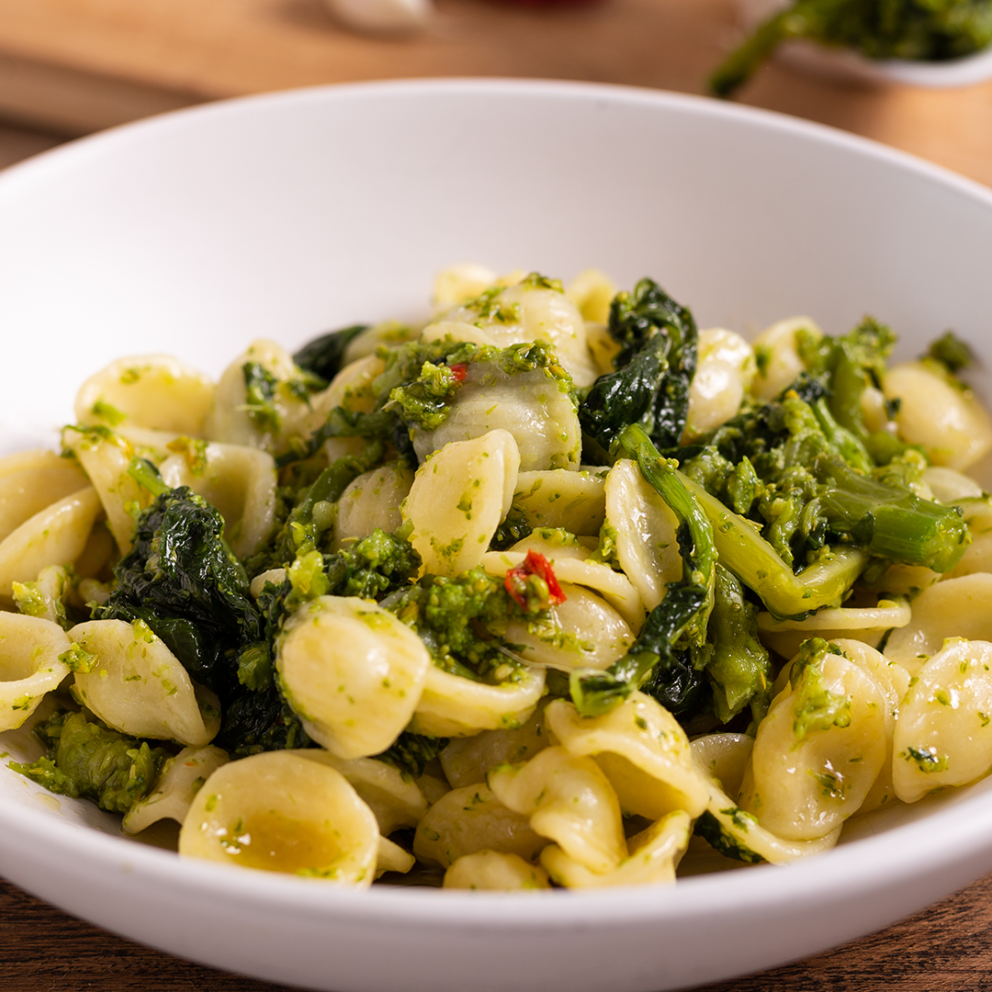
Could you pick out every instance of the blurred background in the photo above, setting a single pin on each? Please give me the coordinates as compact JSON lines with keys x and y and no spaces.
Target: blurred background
{"x":73,"y":67}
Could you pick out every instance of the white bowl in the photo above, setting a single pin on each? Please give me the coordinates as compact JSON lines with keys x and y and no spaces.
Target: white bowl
{"x":847,"y":64}
{"x":285,"y":215}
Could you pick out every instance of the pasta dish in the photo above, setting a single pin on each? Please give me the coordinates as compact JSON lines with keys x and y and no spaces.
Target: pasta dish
{"x":547,"y":591}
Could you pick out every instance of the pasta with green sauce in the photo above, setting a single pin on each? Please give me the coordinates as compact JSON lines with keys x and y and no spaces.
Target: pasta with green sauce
{"x":545,"y":592}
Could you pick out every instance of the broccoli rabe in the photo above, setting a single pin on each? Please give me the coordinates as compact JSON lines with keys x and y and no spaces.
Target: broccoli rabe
{"x":181,"y":579}
{"x":659,"y":659}
{"x":324,"y":355}
{"x":411,"y":752}
{"x":86,"y":758}
{"x":806,"y":504}
{"x":737,"y":664}
{"x":920,"y":30}
{"x":460,"y":620}
{"x":654,"y":369}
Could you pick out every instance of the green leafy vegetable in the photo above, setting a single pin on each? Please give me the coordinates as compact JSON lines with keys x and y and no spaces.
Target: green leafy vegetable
{"x":86,"y":758}
{"x":658,"y":660}
{"x":918,"y":30}
{"x":324,"y":355}
{"x":655,"y":365}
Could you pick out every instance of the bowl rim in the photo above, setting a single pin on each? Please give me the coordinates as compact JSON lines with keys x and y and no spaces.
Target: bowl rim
{"x":872,"y":859}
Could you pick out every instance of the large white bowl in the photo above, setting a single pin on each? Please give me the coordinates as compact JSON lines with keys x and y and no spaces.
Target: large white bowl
{"x":285,"y":215}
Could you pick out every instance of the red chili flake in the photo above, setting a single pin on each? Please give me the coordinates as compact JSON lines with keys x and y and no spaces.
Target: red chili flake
{"x":534,"y":564}
{"x":458,"y":372}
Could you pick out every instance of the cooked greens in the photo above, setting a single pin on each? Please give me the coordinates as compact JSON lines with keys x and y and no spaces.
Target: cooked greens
{"x":917,"y":30}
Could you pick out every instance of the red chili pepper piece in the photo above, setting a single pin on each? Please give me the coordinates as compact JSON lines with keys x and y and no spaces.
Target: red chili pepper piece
{"x":458,"y":372}
{"x":534,"y":564}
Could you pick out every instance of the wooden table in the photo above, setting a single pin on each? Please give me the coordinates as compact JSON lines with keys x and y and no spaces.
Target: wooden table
{"x":70,"y":67}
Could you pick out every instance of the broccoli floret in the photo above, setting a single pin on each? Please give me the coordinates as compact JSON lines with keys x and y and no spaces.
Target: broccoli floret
{"x":811,"y":502}
{"x":462,"y":620}
{"x":921,"y":30}
{"x":86,"y":758}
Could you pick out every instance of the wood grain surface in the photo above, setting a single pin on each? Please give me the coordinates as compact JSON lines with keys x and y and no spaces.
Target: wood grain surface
{"x":77,"y":66}
{"x":80,"y":65}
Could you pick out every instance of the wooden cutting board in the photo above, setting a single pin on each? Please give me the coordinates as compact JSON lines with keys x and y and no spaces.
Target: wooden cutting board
{"x":77,"y":66}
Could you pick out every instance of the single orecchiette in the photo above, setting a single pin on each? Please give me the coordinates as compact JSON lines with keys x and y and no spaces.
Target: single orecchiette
{"x":239,"y":418}
{"x":473,"y":819}
{"x":57,"y":535}
{"x":352,"y":672}
{"x":496,"y":871}
{"x":937,"y":414}
{"x":457,"y":500}
{"x":32,"y":481}
{"x":127,"y":676}
{"x":178,"y":783}
{"x":818,"y":750}
{"x":156,"y":391}
{"x":943,"y":735}
{"x":643,"y":751}
{"x":723,"y":376}
{"x":283,"y":812}
{"x":526,"y":312}
{"x":776,"y":353}
{"x":574,"y":501}
{"x":105,"y":458}
{"x":569,"y":800}
{"x":953,"y":608}
{"x":537,"y":410}
{"x":240,"y":481}
{"x":724,"y":758}
{"x":372,"y":500}
{"x":30,"y":665}
{"x":645,"y":529}
{"x":582,"y":632}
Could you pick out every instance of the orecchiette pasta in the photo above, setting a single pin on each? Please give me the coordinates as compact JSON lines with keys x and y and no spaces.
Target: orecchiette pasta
{"x":458,"y":592}
{"x":818,"y":751}
{"x":155,"y":391}
{"x":937,"y":414}
{"x":283,"y":812}
{"x":472,"y":819}
{"x":458,"y":498}
{"x":942,"y":736}
{"x":956,"y":607}
{"x":569,"y":800}
{"x":180,"y":780}
{"x":30,"y":665}
{"x":495,"y":870}
{"x":127,"y":676}
{"x":353,"y":672}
